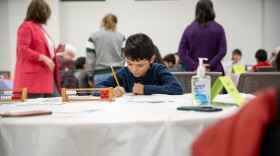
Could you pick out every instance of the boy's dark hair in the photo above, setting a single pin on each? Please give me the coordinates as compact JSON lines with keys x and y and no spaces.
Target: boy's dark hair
{"x":261,"y":55}
{"x":204,"y":12}
{"x":79,"y":63}
{"x":139,"y":47}
{"x":38,"y":11}
{"x":169,"y":58}
{"x":237,"y":52}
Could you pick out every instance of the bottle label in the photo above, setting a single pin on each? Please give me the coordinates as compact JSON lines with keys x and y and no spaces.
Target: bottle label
{"x":201,"y":91}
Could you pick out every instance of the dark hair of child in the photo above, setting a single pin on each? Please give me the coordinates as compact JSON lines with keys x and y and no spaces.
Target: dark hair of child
{"x":237,"y":52}
{"x":261,"y":55}
{"x":169,"y":58}
{"x":80,"y":62}
{"x":139,"y":47}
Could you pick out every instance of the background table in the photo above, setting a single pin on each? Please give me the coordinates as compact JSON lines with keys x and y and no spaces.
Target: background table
{"x":130,"y":126}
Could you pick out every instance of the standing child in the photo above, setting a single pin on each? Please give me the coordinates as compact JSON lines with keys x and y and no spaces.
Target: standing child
{"x":142,"y":76}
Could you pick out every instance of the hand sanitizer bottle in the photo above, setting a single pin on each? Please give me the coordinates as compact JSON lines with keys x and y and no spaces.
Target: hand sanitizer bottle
{"x":201,"y":86}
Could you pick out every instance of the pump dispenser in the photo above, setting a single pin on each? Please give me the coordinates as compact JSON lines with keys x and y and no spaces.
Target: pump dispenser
{"x":201,"y":86}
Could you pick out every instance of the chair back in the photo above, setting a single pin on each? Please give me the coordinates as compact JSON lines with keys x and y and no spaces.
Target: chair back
{"x":271,"y":139}
{"x":250,"y":83}
{"x":185,"y":78}
{"x":266,"y":69}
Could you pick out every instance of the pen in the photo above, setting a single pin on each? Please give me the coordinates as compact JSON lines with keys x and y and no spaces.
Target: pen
{"x":115,"y":76}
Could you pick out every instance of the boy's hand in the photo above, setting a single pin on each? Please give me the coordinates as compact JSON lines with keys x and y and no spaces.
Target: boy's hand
{"x":119,"y":91}
{"x":138,"y":88}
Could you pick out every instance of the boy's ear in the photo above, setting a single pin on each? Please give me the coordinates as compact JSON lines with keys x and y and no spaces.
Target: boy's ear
{"x":153,"y":59}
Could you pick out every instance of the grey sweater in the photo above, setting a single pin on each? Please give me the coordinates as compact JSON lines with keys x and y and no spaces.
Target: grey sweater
{"x":104,"y":50}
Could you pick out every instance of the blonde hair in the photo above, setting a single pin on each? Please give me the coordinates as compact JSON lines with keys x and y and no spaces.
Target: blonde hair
{"x":109,"y":22}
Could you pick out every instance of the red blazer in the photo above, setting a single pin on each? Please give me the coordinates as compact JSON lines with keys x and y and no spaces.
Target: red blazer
{"x":31,"y":73}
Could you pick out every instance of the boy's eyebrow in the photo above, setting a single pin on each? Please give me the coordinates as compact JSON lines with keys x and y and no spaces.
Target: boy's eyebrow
{"x":136,"y":62}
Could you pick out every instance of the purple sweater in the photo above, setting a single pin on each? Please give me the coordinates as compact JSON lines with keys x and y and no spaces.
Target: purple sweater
{"x":207,"y":42}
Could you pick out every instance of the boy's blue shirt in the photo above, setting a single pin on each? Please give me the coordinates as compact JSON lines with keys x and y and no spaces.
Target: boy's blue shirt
{"x":158,"y":80}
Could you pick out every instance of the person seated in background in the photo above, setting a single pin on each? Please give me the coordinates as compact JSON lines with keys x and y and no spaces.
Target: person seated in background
{"x":235,"y":61}
{"x":277,"y":62}
{"x":180,"y":62}
{"x":142,"y":76}
{"x":158,"y":58}
{"x":273,"y":56}
{"x":80,"y":73}
{"x":261,"y":58}
{"x":65,"y":58}
{"x":170,"y":63}
{"x":236,"y":57}
{"x":67,"y":79}
{"x":67,"y":67}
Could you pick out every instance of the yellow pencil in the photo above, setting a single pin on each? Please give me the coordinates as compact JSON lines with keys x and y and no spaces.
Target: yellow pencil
{"x":115,"y":76}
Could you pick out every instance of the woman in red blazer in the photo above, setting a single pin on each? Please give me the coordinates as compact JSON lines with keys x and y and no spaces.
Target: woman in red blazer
{"x":36,"y":64}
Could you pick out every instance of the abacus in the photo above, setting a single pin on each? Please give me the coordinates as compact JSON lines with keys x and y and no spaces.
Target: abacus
{"x":11,"y":95}
{"x":105,"y":94}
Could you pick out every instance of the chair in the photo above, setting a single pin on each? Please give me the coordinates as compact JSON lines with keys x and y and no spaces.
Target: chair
{"x":253,"y":130}
{"x":266,"y":69}
{"x":250,"y":83}
{"x":185,"y":78}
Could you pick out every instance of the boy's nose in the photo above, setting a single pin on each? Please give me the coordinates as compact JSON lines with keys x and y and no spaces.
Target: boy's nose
{"x":133,"y":69}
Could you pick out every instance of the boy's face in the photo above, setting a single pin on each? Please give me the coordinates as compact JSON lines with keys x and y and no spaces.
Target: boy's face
{"x":168,"y":64}
{"x":139,"y":68}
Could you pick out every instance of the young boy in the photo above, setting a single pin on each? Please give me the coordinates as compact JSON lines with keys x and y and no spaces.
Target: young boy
{"x":142,"y":76}
{"x":261,"y":58}
{"x":170,"y":63}
{"x":236,"y":57}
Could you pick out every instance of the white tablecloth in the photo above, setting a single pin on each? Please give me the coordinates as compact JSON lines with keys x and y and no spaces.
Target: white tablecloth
{"x":129,"y":126}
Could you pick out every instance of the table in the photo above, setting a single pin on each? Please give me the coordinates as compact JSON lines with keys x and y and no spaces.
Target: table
{"x":130,"y":126}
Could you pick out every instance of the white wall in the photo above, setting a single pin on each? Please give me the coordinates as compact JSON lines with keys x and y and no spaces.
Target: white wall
{"x":271,"y":24}
{"x":249,"y":24}
{"x":4,"y":37}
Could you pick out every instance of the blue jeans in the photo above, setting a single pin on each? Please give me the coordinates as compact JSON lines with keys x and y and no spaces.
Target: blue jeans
{"x":101,"y":77}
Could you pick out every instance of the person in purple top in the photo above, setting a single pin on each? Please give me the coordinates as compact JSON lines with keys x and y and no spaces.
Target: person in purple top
{"x":203,"y":38}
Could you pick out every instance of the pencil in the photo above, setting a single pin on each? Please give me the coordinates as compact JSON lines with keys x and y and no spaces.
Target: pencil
{"x":115,"y":76}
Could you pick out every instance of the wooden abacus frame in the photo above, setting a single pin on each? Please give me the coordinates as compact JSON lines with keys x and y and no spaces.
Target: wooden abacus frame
{"x":23,"y":92}
{"x":65,"y":98}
